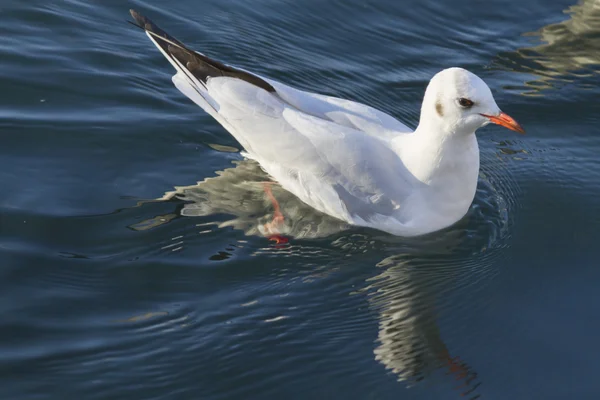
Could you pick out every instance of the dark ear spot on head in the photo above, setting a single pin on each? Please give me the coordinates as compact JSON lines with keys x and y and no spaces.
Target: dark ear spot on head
{"x":439,"y":108}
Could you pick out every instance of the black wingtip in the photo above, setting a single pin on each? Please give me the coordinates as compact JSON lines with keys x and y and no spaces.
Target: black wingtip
{"x":147,"y":25}
{"x":139,"y":18}
{"x":144,"y":22}
{"x":198,"y":64}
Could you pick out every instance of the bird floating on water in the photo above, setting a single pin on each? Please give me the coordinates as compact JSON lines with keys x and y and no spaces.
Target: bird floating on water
{"x":344,"y":158}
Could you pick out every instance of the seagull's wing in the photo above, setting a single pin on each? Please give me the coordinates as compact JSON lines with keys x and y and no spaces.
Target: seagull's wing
{"x":363,"y":175}
{"x":344,"y":112}
{"x":333,"y":154}
{"x":335,"y":168}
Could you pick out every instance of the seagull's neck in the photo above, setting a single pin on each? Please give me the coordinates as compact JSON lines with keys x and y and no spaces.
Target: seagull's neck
{"x":446,"y":170}
{"x":429,"y":153}
{"x":447,"y":167}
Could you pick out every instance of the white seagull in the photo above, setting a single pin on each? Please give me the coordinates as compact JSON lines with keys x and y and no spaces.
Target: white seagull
{"x":343,"y":158}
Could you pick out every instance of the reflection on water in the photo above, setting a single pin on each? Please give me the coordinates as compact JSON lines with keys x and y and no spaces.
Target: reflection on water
{"x":415,"y":273}
{"x":569,"y":49}
{"x":143,"y":317}
{"x":239,"y":192}
{"x":410,"y":342}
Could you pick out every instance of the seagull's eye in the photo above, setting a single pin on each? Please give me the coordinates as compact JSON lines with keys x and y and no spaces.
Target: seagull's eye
{"x":465,"y":102}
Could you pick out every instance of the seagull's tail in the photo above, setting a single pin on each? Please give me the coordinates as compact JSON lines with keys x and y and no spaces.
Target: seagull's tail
{"x":191,"y":76}
{"x":194,"y":68}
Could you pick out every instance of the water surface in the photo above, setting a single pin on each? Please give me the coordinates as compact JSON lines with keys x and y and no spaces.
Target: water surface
{"x":133,"y":266}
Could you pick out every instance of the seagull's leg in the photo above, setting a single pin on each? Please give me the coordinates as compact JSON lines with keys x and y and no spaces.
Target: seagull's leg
{"x":272,"y":227}
{"x":461,"y":372}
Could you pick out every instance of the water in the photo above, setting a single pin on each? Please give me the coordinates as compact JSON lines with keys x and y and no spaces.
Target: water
{"x":122,"y":277}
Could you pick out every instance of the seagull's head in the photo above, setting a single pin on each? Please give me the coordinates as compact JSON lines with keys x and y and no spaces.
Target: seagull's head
{"x":460,"y":102}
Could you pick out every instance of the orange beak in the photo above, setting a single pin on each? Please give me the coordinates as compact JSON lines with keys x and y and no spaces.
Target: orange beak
{"x":506,"y":121}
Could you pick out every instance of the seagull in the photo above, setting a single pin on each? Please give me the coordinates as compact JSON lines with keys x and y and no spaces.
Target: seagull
{"x":343,"y":158}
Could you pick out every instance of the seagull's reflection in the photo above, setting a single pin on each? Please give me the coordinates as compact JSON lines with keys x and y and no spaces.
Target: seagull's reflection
{"x":239,"y":193}
{"x":405,"y":293}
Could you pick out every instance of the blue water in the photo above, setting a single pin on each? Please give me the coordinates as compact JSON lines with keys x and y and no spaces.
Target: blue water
{"x":125,"y":274}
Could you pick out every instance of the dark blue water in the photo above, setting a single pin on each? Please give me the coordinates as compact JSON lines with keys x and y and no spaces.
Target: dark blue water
{"x":124,"y":274}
